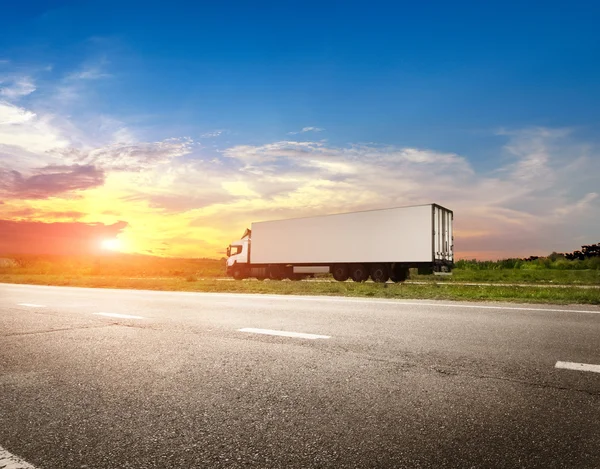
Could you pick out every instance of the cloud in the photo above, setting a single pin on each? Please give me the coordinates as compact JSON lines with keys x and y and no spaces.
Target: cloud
{"x":23,"y":237}
{"x":92,"y":70}
{"x":133,"y":157}
{"x":307,"y":129}
{"x":213,"y":134}
{"x":88,"y":74}
{"x":75,"y":87}
{"x":12,"y":115}
{"x":316,"y":158}
{"x":49,"y":181}
{"x":14,"y":88}
{"x":22,"y":128}
{"x":29,"y":213}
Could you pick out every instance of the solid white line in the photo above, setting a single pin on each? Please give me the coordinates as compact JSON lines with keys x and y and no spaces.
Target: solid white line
{"x":333,"y":299}
{"x":578,"y":366}
{"x":407,"y":303}
{"x":10,"y":461}
{"x":31,"y":305}
{"x":375,"y":301}
{"x":117,"y":315}
{"x":297,"y":335}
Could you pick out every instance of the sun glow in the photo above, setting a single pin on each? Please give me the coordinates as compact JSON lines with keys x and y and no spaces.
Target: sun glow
{"x":112,"y":244}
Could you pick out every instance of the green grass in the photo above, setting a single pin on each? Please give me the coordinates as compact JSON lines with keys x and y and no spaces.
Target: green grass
{"x":547,"y":276}
{"x":444,"y":291}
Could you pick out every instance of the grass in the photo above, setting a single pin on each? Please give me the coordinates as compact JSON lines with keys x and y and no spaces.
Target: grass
{"x":202,"y":275}
{"x":111,"y":265}
{"x":439,"y":291}
{"x":537,"y":276}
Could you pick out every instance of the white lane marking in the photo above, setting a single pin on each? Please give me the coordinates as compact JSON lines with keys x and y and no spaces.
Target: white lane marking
{"x":297,"y":335}
{"x":10,"y":461}
{"x":406,"y":303}
{"x":578,"y":366}
{"x":31,"y":305}
{"x":333,"y":299}
{"x":117,"y":315}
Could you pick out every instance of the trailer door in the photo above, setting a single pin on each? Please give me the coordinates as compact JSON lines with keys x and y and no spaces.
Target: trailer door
{"x":443,"y":238}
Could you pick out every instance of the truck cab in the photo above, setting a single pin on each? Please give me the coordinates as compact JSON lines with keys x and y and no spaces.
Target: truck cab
{"x":238,"y":255}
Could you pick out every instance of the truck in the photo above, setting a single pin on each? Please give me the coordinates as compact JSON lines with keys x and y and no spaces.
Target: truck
{"x":381,"y":244}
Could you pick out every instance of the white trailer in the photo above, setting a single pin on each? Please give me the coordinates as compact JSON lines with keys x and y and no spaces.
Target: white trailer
{"x":382,"y":244}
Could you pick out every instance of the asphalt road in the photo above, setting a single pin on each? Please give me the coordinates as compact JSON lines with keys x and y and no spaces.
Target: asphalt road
{"x":177,"y":381}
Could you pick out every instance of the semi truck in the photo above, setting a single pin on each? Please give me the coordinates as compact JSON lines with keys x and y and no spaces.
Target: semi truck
{"x":381,"y":244}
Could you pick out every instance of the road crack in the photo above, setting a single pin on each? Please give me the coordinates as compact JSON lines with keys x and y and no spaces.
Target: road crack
{"x":61,"y":329}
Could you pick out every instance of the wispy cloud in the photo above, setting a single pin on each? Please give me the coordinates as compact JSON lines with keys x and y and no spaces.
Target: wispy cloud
{"x":93,"y":69}
{"x":213,"y":134}
{"x":76,"y":84}
{"x":307,"y":129}
{"x":132,"y":157}
{"x":91,"y":73}
{"x":12,"y":88}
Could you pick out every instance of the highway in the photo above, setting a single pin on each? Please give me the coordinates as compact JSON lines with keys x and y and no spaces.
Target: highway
{"x":98,"y":378}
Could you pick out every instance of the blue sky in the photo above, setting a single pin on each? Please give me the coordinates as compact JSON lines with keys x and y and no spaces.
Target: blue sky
{"x":481,"y":80}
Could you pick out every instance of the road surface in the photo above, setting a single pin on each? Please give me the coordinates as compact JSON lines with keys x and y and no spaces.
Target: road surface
{"x":93,"y":378}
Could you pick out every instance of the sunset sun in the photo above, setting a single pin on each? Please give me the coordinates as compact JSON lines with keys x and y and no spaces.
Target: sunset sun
{"x":112,"y":244}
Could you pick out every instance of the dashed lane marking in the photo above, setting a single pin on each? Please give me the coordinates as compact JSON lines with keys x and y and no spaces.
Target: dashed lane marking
{"x":578,"y":366}
{"x":31,"y":305}
{"x":10,"y":461}
{"x":117,"y":315}
{"x":297,"y":335}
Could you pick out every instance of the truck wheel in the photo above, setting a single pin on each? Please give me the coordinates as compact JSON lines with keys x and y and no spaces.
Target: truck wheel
{"x":340,"y":272}
{"x":359,"y":272}
{"x":399,"y":274}
{"x":380,"y":273}
{"x":238,"y":274}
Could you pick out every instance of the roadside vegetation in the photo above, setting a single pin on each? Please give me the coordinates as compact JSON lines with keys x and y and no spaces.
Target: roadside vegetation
{"x":580,"y":267}
{"x":434,"y":291}
{"x":553,"y":279}
{"x":111,"y":265}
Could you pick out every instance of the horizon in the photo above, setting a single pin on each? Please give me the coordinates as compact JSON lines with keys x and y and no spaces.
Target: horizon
{"x":167,"y":130}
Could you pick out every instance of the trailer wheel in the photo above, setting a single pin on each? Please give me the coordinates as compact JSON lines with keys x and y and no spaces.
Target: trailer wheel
{"x":359,"y":272}
{"x":340,"y":272}
{"x":276,"y":272}
{"x":399,"y":273}
{"x":380,"y":273}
